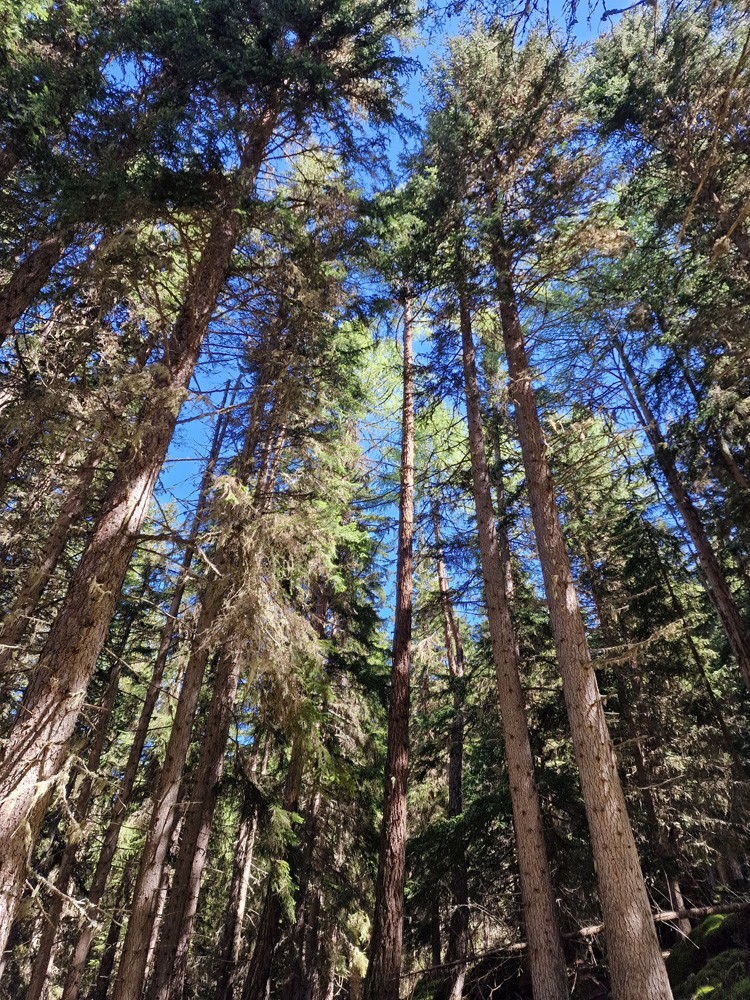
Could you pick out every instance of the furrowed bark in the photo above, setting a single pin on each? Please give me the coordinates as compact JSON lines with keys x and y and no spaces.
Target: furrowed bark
{"x":546,"y":957}
{"x":635,"y":963}
{"x":382,"y":980}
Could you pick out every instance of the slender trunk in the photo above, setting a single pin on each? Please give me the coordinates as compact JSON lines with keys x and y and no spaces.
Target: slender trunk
{"x":305,"y":914}
{"x":132,"y":968}
{"x":382,"y":980}
{"x":608,"y":622}
{"x":730,"y":743}
{"x":32,"y":273}
{"x":111,"y":838}
{"x":635,"y":963}
{"x":177,"y":927}
{"x":718,"y":588}
{"x":54,"y":911}
{"x":100,"y":985}
{"x":458,"y":929}
{"x":546,"y":957}
{"x":259,"y":971}
{"x":233,"y":925}
{"x":502,"y":530}
{"x":38,"y":744}
{"x":36,"y":580}
{"x":721,"y":443}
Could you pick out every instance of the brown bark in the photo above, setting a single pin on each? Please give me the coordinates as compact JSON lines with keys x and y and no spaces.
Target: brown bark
{"x":32,"y":273}
{"x":382,"y":979}
{"x":38,"y":744}
{"x":717,"y":586}
{"x":259,"y":971}
{"x":546,"y":958}
{"x":307,"y":903}
{"x":635,"y":964}
{"x":111,"y":838}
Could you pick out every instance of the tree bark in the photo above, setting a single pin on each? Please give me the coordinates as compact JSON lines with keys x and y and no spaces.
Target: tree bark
{"x":718,"y":588}
{"x":546,"y":957}
{"x":382,"y":979}
{"x":38,"y":744}
{"x":635,"y":963}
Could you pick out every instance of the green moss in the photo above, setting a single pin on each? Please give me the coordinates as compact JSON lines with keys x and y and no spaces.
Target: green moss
{"x":712,"y":936}
{"x":715,"y":980}
{"x":740,"y":990}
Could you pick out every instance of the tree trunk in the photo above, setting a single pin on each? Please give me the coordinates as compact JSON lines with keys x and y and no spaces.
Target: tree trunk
{"x":38,"y":744}
{"x":259,"y":971}
{"x":108,"y":849}
{"x":100,"y":985}
{"x":635,"y":963}
{"x":36,"y":580}
{"x":382,"y":980}
{"x":718,"y":588}
{"x":234,"y":922}
{"x":32,"y":273}
{"x":182,"y":905}
{"x":131,"y":972}
{"x":458,"y":930}
{"x":546,"y":957}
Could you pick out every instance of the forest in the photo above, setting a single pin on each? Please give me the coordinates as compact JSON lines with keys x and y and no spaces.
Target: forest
{"x":374,"y":500}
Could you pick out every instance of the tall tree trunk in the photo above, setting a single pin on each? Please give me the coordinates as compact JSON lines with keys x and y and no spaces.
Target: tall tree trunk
{"x":111,"y":838}
{"x":458,"y":930}
{"x":382,"y":981}
{"x":38,"y":744}
{"x":305,"y":915}
{"x":131,"y":971}
{"x":718,"y":588}
{"x":635,"y":964}
{"x":612,"y":633}
{"x":259,"y":971}
{"x":100,"y":985}
{"x":54,"y":911}
{"x":546,"y":957}
{"x":182,"y":905}
{"x":234,"y":922}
